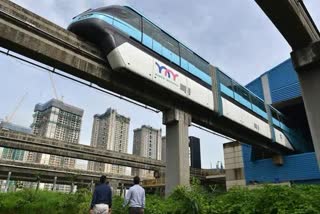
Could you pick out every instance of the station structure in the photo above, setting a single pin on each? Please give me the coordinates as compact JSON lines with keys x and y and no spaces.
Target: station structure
{"x":248,"y":165}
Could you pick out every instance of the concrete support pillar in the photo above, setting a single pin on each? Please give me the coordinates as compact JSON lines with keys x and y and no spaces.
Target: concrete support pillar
{"x":72,"y":187}
{"x":177,"y":149}
{"x":307,"y":64}
{"x":8,"y":182}
{"x":234,"y":166}
{"x":121,"y":189}
{"x":92,"y":186}
{"x":124,"y":191}
{"x":38,"y":185}
{"x":310,"y":85}
{"x":114,"y":186}
{"x":54,"y":183}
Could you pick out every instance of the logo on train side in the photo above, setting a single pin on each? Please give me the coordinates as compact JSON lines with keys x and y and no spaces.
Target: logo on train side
{"x":167,"y":72}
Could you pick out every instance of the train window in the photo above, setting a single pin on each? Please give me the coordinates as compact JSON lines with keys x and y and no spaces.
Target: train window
{"x":126,"y":15}
{"x":275,"y":118}
{"x":283,"y":123}
{"x":226,"y":84}
{"x":171,"y":48}
{"x":186,"y":54}
{"x":150,"y":36}
{"x":194,"y":64}
{"x":258,"y":106}
{"x":126,"y":20}
{"x":242,"y":95}
{"x":201,"y":64}
{"x":160,"y":42}
{"x":148,"y":30}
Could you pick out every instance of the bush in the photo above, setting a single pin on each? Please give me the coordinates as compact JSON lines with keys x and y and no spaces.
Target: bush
{"x":299,"y":199}
{"x":269,"y":199}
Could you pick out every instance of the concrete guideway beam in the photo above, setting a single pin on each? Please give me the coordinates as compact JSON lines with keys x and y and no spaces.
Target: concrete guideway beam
{"x":50,"y":146}
{"x":48,"y":173}
{"x":306,"y":58}
{"x":292,"y":20}
{"x":177,"y":148}
{"x":54,"y":147}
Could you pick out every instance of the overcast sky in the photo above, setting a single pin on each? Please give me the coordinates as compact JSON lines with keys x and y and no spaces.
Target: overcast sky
{"x":234,"y":35}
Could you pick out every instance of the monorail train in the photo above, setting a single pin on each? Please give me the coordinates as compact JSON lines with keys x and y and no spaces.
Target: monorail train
{"x":132,"y":42}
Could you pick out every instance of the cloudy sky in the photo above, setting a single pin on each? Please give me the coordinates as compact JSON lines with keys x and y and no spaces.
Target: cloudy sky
{"x":234,"y":35}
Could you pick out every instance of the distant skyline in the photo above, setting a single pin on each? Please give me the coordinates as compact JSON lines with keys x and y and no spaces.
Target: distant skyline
{"x":234,"y":35}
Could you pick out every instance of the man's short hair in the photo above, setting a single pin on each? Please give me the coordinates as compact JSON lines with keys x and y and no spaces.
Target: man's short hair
{"x":136,"y":180}
{"x":103,"y":179}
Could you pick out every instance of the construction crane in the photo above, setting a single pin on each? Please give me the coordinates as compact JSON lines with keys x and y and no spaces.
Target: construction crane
{"x":10,"y":117}
{"x":53,"y":86}
{"x":54,"y":89}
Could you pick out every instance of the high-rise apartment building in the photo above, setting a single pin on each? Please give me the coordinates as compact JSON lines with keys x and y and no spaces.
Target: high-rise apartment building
{"x":58,"y":120}
{"x":110,"y":131}
{"x":14,"y":154}
{"x":195,"y":153}
{"x":146,"y":143}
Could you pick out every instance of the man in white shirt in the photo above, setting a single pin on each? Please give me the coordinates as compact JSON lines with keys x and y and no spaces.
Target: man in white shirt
{"x":135,"y":198}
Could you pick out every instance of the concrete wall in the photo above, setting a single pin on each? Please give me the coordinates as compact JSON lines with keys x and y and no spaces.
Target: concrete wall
{"x":234,"y":165}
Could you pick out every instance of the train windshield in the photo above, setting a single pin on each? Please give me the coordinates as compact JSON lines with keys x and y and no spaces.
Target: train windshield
{"x":123,"y":14}
{"x":122,"y":18}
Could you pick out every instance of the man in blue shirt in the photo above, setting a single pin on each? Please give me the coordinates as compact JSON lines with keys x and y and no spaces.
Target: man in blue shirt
{"x":102,"y":198}
{"x":136,"y":198}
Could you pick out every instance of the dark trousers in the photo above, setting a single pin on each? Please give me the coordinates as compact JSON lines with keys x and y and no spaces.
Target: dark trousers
{"x":136,"y":210}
